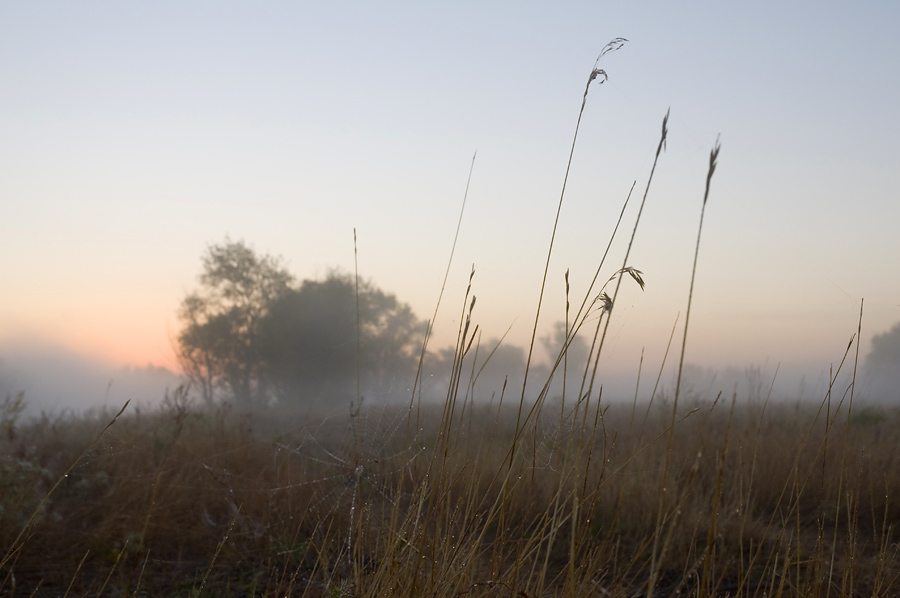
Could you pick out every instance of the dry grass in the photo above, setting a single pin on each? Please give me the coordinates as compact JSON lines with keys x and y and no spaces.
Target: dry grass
{"x":753,"y":504}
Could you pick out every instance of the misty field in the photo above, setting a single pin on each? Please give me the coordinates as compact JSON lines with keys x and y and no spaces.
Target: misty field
{"x":740,"y":498}
{"x":539,"y":487}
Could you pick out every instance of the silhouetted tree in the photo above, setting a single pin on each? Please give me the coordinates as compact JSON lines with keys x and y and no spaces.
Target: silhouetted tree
{"x":309,"y":341}
{"x":219,"y":345}
{"x":481,"y":375}
{"x":578,"y":364}
{"x":249,"y":334}
{"x":883,"y":365}
{"x":488,"y":365}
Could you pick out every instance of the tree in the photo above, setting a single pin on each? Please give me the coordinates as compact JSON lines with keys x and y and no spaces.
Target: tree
{"x":251,"y":334}
{"x":484,"y":370}
{"x":883,"y":365}
{"x":579,"y":361}
{"x":309,"y":341}
{"x":218,"y":346}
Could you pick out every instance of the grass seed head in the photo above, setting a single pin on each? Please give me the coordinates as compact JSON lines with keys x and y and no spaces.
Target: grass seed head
{"x":713,"y":158}
{"x":612,"y":46}
{"x":665,"y":133}
{"x":636,"y":274}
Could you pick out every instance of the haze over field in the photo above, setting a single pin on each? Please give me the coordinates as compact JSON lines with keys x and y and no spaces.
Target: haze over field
{"x":134,"y":136}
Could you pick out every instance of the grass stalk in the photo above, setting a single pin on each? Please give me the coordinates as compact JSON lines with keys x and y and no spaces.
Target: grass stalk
{"x":713,"y":157}
{"x":659,"y":149}
{"x":430,"y":326}
{"x":599,"y":75}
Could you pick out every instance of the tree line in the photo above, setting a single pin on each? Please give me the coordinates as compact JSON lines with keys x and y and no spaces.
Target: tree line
{"x":253,"y":335}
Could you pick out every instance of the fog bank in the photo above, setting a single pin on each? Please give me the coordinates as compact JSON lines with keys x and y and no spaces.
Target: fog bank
{"x":56,"y":379}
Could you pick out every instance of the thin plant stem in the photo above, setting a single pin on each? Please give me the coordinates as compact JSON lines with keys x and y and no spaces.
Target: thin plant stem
{"x":356,"y":281}
{"x":430,"y":327}
{"x":713,"y":157}
{"x":595,"y":73}
{"x":659,"y":149}
{"x":654,"y":568}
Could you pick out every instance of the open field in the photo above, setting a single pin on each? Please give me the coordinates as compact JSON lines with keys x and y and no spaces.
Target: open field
{"x":741,"y":498}
{"x":535,"y":490}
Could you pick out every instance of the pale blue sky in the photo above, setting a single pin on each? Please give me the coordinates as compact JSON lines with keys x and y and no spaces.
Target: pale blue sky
{"x":132,"y":135}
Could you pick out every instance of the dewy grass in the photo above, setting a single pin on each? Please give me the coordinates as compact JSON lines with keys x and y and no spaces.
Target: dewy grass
{"x":28,"y":528}
{"x":709,"y":496}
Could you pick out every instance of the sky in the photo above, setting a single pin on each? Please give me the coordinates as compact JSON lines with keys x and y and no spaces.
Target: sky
{"x":135,"y":135}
